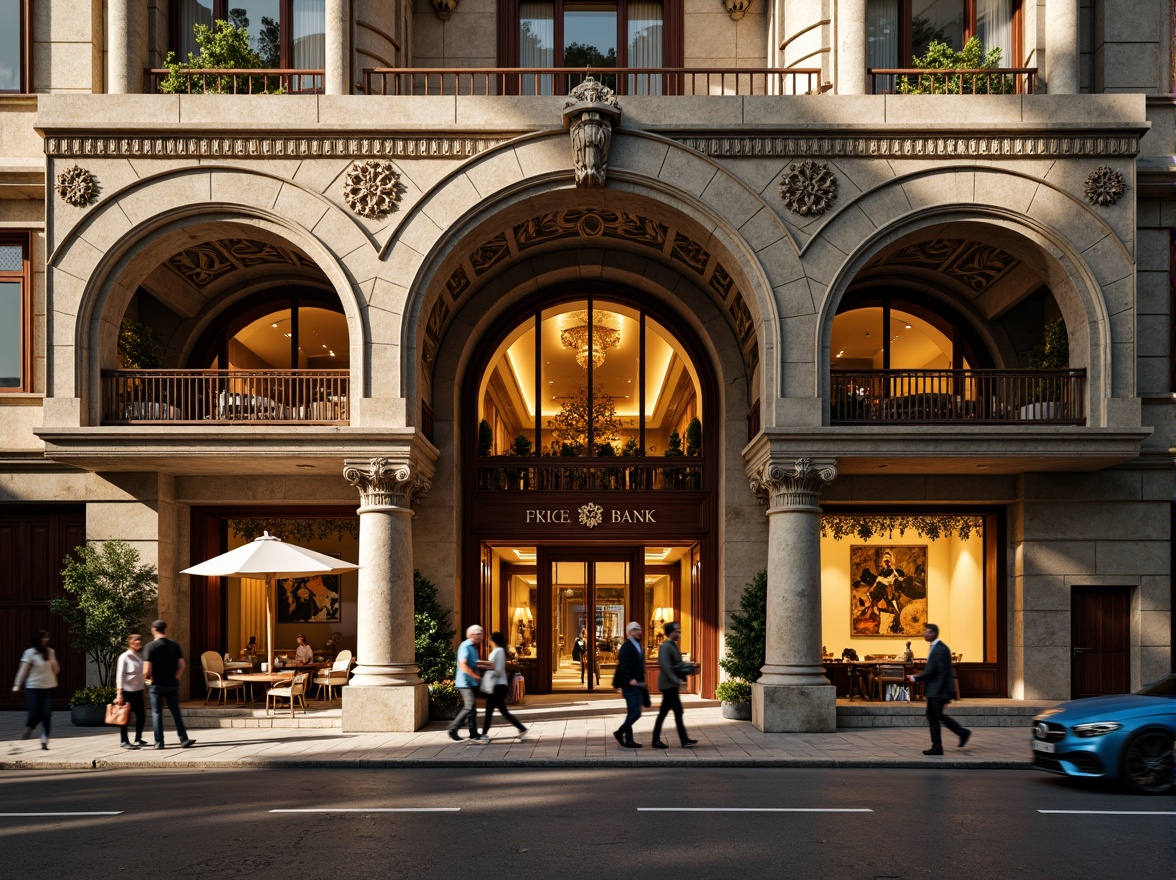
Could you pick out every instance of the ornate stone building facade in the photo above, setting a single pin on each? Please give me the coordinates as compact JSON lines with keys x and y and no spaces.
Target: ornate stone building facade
{"x":597,"y":313}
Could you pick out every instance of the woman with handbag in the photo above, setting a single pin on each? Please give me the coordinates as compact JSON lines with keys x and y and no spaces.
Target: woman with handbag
{"x":129,"y":675}
{"x":494,"y":684}
{"x":38,"y":676}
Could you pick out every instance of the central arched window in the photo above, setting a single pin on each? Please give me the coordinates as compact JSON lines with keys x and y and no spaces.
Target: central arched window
{"x":590,"y":378}
{"x":288,"y":330}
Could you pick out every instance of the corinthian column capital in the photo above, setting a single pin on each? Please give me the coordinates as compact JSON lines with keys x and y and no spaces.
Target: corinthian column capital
{"x":384,"y":482}
{"x":795,"y":483}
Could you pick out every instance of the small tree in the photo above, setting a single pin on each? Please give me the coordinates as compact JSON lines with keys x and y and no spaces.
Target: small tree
{"x":138,"y":347}
{"x":110,"y":595}
{"x":749,"y":632}
{"x":222,"y":47}
{"x":485,"y":438}
{"x":941,"y":56}
{"x":435,"y":656}
{"x":1052,"y":354}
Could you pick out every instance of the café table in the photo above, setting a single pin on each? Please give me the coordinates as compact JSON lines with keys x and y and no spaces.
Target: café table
{"x":267,"y":678}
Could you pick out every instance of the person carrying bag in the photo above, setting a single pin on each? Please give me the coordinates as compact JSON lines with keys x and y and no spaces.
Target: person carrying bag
{"x":494,"y":685}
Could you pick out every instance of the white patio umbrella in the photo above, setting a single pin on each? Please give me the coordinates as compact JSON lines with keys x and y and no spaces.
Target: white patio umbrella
{"x":270,"y":558}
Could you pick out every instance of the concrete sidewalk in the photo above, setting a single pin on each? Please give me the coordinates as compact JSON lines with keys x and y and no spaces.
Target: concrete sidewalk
{"x":576,"y":734}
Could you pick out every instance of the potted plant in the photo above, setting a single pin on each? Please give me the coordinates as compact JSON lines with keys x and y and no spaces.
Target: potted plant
{"x":444,"y":700}
{"x":87,"y":706}
{"x":744,"y":660}
{"x":941,"y":56}
{"x":1053,"y":353}
{"x":435,"y":657}
{"x":222,"y":47}
{"x":110,"y":594}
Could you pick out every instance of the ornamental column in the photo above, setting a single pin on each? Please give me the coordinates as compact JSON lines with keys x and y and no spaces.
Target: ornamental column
{"x":1061,"y":47}
{"x":126,"y":46}
{"x":337,"y":36}
{"x":792,"y":694}
{"x":386,"y":692}
{"x":851,"y":47}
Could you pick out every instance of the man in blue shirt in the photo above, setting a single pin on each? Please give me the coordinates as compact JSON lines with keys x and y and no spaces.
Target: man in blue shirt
{"x":467,"y":678}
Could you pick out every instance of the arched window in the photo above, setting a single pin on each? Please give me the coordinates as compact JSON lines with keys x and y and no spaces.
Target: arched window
{"x":304,"y":329}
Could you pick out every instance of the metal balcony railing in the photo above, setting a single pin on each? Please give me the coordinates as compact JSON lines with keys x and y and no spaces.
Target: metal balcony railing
{"x":963,"y":81}
{"x":603,"y":474}
{"x":202,"y":397}
{"x":920,"y":397}
{"x":236,"y":81}
{"x":443,"y":81}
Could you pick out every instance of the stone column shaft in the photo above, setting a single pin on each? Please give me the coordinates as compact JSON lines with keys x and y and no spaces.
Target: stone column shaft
{"x":126,"y":46}
{"x":1061,"y":47}
{"x":851,"y":47}
{"x":337,"y":77}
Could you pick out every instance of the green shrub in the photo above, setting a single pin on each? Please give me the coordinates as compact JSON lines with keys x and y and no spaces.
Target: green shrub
{"x":940,"y":56}
{"x":444,"y":694}
{"x":749,"y":632}
{"x":93,"y":696}
{"x":138,"y":347}
{"x":485,"y":438}
{"x":733,"y":691}
{"x":435,"y":656}
{"x":1052,"y":354}
{"x":222,"y":47}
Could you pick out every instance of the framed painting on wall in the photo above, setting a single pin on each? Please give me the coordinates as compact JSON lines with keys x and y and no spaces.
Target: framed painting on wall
{"x":888,"y":590}
{"x":309,"y":599}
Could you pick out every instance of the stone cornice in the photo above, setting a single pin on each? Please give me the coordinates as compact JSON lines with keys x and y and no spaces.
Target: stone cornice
{"x":165,"y":145}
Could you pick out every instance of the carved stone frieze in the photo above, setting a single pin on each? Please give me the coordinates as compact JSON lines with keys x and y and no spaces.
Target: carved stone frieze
{"x":590,"y":113}
{"x":76,"y":186}
{"x":383,"y":482}
{"x":976,"y":264}
{"x":796,"y":483}
{"x":1104,"y":186}
{"x":372,"y":188}
{"x":203,"y":264}
{"x":424,"y":146}
{"x":914,"y":146}
{"x":808,"y":188}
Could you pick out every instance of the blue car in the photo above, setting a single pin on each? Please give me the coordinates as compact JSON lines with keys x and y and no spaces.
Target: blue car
{"x":1128,"y":737}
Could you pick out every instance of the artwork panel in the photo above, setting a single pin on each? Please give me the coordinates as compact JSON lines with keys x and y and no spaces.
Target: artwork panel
{"x":309,"y":599}
{"x":888,"y":590}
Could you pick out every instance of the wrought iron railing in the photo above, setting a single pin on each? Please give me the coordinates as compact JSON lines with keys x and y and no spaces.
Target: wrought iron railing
{"x":1053,"y":397}
{"x":441,"y":81}
{"x":962,"y":81}
{"x":201,"y":397}
{"x":620,"y":474}
{"x":237,"y":81}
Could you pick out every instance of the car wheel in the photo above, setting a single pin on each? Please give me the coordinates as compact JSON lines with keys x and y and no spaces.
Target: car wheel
{"x":1148,"y":763}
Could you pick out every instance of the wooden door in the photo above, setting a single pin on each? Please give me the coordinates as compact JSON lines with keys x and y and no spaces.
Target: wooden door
{"x":1100,"y":636}
{"x":34,"y":541}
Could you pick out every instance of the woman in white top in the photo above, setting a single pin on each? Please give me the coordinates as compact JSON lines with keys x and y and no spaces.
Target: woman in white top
{"x":130,"y":684}
{"x":304,"y":653}
{"x":38,"y":675}
{"x":496,"y":699}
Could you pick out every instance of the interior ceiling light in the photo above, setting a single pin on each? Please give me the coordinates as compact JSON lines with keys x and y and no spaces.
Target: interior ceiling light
{"x":840,"y":353}
{"x":908,"y":326}
{"x":577,"y":334}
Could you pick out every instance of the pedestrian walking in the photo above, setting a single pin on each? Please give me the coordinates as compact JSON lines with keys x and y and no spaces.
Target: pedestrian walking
{"x":630,"y":678}
{"x":496,"y":695}
{"x":940,"y":688}
{"x":580,"y":654}
{"x":467,"y":678}
{"x":162,"y":668}
{"x":37,"y":674}
{"x":130,"y":684}
{"x":672,"y":672}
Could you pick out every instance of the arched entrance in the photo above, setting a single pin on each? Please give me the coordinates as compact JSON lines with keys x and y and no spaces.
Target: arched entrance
{"x":590,"y":484}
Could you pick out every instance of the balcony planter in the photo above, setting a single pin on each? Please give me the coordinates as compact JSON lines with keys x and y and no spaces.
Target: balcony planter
{"x":1043,"y":411}
{"x":735,"y":696}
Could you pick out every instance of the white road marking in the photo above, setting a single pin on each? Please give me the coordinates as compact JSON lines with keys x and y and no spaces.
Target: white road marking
{"x":374,"y":810}
{"x":750,"y":810}
{"x":1112,"y":812}
{"x":94,"y":813}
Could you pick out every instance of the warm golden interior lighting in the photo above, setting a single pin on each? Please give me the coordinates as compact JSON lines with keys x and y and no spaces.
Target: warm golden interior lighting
{"x":578,"y":333}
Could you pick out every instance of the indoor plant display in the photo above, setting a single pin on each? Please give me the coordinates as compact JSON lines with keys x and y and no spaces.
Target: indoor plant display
{"x":87,"y":706}
{"x":744,"y":660}
{"x":110,"y":594}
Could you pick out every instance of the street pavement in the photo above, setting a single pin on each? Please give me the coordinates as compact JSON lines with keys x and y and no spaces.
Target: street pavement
{"x":557,"y":736}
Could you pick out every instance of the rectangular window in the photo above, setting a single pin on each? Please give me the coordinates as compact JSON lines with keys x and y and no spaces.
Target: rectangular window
{"x":287,"y":34}
{"x":14,"y":54}
{"x":899,"y":30}
{"x":14,"y":315}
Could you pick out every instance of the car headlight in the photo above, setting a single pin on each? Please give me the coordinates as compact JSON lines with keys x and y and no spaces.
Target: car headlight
{"x":1096,"y":728}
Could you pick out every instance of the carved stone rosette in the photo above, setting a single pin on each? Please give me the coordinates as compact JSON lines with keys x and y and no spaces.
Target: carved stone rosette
{"x":795,"y":484}
{"x":385,"y":483}
{"x":76,"y":186}
{"x":372,"y":188}
{"x":590,"y":113}
{"x":1104,"y":186}
{"x":808,"y":188}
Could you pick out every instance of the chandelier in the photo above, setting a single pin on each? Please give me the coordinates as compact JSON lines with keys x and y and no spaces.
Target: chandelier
{"x":578,"y":333}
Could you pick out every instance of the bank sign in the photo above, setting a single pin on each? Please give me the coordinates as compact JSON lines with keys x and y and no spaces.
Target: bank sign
{"x":591,"y":515}
{"x":522,"y":516}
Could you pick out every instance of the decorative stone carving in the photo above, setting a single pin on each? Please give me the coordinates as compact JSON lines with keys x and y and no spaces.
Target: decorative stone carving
{"x":372,"y":188}
{"x":76,"y":186}
{"x":590,"y":113}
{"x":976,"y":264}
{"x":423,"y":146}
{"x":736,"y":8}
{"x":914,"y":146}
{"x":808,"y":188}
{"x":205,"y":263}
{"x":385,"y":483}
{"x":796,"y":484}
{"x":443,"y":8}
{"x":1104,"y":186}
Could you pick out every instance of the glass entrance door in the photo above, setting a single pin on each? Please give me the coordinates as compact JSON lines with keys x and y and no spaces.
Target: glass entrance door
{"x":591,"y":601}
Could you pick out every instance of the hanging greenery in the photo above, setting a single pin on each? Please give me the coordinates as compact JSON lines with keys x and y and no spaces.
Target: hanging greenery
{"x":931,"y":526}
{"x":297,"y":531}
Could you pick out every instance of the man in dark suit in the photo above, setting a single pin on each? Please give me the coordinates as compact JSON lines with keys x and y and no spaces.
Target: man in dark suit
{"x":630,"y":678}
{"x":940,"y":687}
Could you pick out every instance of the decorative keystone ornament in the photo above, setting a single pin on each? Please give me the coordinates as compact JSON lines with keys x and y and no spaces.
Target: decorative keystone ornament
{"x":444,"y":8}
{"x":808,"y":188}
{"x":1104,"y":186}
{"x":76,"y":186}
{"x":372,"y":188}
{"x":589,"y":114}
{"x":736,"y":8}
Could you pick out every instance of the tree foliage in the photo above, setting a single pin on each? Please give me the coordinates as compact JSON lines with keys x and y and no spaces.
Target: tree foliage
{"x":138,"y":347}
{"x":110,"y":594}
{"x":435,"y":656}
{"x":746,"y":642}
{"x":941,"y":56}
{"x":569,"y":427}
{"x":222,"y":47}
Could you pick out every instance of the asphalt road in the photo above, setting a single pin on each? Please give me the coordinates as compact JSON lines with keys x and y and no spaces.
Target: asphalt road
{"x":589,"y":823}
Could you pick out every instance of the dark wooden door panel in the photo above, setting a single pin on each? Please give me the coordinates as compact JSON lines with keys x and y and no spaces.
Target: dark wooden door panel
{"x":1100,"y":638}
